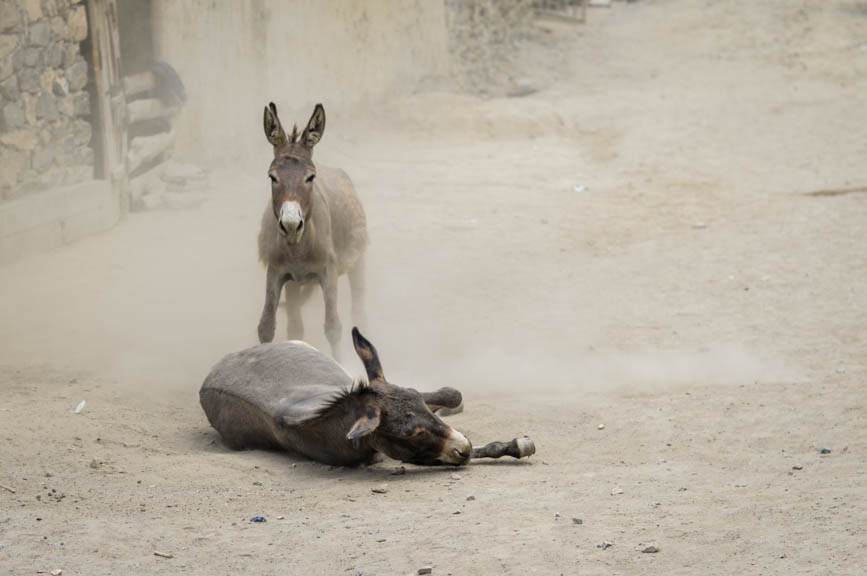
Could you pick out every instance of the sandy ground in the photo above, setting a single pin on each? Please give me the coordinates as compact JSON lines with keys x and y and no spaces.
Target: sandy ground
{"x":691,"y":297}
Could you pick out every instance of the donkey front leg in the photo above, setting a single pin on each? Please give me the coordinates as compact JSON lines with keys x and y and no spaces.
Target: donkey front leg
{"x":333,"y":328}
{"x":273,"y":283}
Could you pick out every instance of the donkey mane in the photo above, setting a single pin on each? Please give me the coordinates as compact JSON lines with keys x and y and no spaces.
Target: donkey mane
{"x":359,"y":387}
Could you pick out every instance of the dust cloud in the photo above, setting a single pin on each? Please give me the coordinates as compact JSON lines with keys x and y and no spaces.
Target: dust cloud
{"x":608,"y":225}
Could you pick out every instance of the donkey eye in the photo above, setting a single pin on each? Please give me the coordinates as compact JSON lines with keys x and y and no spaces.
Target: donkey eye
{"x":273,"y":178}
{"x":310,"y":178}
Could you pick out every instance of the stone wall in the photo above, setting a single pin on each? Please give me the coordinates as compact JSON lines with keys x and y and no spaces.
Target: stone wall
{"x":45,"y":130}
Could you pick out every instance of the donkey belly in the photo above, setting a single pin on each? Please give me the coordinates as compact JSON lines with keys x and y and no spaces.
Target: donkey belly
{"x":348,"y":221}
{"x":266,"y":396}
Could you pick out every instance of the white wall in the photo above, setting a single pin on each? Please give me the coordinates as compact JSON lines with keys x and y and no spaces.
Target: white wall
{"x":236,"y":55}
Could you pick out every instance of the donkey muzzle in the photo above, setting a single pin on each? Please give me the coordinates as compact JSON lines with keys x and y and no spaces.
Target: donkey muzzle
{"x":291,"y":222}
{"x":457,"y":449}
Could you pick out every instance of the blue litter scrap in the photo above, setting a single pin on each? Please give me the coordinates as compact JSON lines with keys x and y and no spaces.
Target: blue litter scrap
{"x":258,"y":519}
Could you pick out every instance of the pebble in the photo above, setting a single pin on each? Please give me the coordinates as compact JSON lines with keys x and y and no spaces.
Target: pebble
{"x":601,"y":427}
{"x":94,"y":463}
{"x":825,"y":450}
{"x":425,"y":570}
{"x":280,"y":517}
{"x":683,"y":489}
{"x":605,"y":544}
{"x":470,"y":498}
{"x":380,"y":489}
{"x":455,"y":476}
{"x":616,"y":490}
{"x":257,"y":483}
{"x":399,"y":471}
{"x":556,"y":515}
{"x":650,"y":549}
{"x":578,"y":521}
{"x":797,"y":467}
{"x":57,"y":572}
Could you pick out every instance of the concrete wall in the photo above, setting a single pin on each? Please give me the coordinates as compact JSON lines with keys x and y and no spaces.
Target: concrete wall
{"x":236,"y":56}
{"x":45,"y":132}
{"x":38,"y":222}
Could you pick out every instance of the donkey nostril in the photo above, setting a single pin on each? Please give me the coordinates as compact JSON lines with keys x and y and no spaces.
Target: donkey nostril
{"x":300,"y":226}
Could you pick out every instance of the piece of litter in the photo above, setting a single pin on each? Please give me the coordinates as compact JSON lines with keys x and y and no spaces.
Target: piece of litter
{"x":57,"y":572}
{"x":841,"y":370}
{"x":7,"y":488}
{"x":280,"y":517}
{"x":699,"y":225}
{"x":616,"y":490}
{"x":425,"y":570}
{"x":605,"y":544}
{"x":650,"y":549}
{"x":797,"y":467}
{"x":601,"y":427}
{"x":258,"y":519}
{"x":825,"y":450}
{"x":80,"y":407}
{"x":455,"y":476}
{"x":556,"y":515}
{"x":163,"y":554}
{"x":579,"y":188}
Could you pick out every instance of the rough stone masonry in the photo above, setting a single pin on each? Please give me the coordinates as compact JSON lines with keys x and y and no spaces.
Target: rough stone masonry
{"x":45,"y":130}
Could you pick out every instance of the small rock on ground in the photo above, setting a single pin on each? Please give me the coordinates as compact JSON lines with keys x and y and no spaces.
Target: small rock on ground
{"x":425,"y":570}
{"x":650,"y":549}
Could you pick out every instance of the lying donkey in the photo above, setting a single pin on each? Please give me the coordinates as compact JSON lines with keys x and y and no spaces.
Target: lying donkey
{"x":314,"y":228}
{"x":290,"y":396}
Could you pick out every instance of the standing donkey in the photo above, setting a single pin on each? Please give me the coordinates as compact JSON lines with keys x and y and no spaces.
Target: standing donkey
{"x":314,"y":228}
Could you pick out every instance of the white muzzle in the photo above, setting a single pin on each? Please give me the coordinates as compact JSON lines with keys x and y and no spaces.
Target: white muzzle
{"x":291,"y":221}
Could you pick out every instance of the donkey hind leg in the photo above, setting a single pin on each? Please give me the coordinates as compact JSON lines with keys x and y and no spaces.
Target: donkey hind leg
{"x":358,"y":287}
{"x":294,"y":322}
{"x":333,"y":327}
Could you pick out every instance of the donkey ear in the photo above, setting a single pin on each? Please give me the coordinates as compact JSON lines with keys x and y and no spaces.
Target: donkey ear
{"x":368,"y":355}
{"x":364,"y":425}
{"x":315,"y":127}
{"x":273,"y":129}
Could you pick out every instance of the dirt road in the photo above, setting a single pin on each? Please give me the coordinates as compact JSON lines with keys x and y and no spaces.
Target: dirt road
{"x":632,"y":246}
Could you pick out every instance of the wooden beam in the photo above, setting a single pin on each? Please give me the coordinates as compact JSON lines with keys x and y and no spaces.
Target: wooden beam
{"x":147,"y":109}
{"x":138,"y":84}
{"x":145,"y":149}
